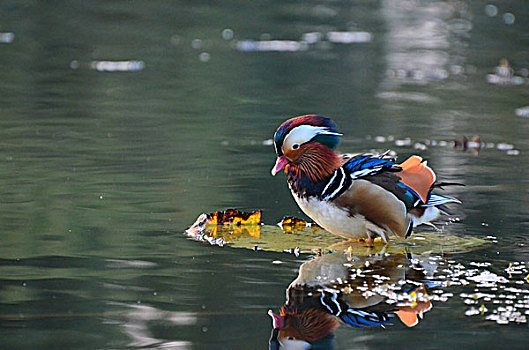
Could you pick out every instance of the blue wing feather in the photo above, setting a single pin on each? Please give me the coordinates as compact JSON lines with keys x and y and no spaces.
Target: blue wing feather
{"x":365,"y":165}
{"x":361,"y":319}
{"x":411,"y":196}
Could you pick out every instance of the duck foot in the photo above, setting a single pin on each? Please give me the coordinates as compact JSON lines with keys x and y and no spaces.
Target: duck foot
{"x":370,"y":242}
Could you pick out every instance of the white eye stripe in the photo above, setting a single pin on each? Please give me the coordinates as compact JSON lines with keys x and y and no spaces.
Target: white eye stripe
{"x":304,"y":133}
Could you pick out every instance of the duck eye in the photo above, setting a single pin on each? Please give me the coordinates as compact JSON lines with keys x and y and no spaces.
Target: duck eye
{"x":295,"y":146}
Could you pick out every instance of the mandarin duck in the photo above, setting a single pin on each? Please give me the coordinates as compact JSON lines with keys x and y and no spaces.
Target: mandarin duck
{"x":363,"y":196}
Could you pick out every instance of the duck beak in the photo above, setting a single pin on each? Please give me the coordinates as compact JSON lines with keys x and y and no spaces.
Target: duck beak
{"x":277,"y":321}
{"x":281,"y":162}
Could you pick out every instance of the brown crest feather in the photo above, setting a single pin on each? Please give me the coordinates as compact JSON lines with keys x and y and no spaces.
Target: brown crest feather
{"x":317,"y":161}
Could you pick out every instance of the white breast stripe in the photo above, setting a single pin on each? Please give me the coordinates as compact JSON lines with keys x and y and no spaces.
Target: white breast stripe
{"x":339,"y":188}
{"x":341,"y":183}
{"x":330,"y":182}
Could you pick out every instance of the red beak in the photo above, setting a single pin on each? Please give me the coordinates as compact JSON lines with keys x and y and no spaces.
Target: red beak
{"x":277,"y":321}
{"x":281,"y":162}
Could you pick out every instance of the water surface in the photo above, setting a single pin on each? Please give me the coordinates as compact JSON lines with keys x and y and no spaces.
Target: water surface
{"x":103,"y":166}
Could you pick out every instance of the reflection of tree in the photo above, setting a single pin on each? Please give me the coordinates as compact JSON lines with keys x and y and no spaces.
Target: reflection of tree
{"x":424,"y":40}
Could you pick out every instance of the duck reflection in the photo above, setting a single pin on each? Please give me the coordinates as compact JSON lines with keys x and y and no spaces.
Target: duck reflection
{"x":357,"y":290}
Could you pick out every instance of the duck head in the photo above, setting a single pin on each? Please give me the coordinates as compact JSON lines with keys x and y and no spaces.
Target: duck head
{"x":306,"y":144}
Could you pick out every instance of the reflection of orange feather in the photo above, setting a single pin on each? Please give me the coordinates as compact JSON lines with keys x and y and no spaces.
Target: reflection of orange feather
{"x":409,"y":318}
{"x":417,"y":175}
{"x":410,"y":314}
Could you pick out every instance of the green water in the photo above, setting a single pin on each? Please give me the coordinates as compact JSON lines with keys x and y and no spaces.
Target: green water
{"x":102,"y":171}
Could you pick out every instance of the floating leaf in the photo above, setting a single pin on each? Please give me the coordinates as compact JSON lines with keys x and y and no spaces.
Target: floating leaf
{"x":243,"y":230}
{"x":234,"y":217}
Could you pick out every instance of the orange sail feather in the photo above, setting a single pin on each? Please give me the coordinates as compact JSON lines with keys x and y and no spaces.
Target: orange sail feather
{"x":417,"y":175}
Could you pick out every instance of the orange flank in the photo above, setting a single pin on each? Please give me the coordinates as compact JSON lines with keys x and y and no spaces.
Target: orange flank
{"x":417,"y":175}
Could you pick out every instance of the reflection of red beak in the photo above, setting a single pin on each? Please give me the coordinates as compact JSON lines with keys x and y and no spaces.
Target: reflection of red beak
{"x":281,"y":162}
{"x":277,"y":321}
